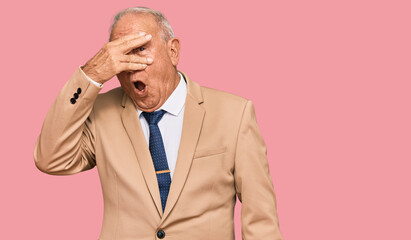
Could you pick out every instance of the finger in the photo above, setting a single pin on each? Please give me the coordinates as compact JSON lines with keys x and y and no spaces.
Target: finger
{"x":127,"y":38}
{"x":132,"y":66}
{"x":135,"y":59}
{"x":127,"y":46}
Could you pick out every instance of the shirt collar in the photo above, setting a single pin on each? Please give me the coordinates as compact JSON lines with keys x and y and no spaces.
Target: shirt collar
{"x":175,"y":102}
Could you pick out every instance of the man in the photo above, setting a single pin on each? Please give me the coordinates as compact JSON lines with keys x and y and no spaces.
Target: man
{"x":171,"y":155}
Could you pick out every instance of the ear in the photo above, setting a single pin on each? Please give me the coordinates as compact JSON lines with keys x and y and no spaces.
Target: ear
{"x":174,"y":50}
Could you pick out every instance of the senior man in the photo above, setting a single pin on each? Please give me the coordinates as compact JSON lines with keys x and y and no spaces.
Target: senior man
{"x":171,"y":155}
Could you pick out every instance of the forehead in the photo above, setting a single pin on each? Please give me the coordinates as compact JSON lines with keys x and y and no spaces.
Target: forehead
{"x":134,"y":23}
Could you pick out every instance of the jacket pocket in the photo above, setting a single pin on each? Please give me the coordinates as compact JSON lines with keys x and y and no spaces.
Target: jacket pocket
{"x":205,"y":152}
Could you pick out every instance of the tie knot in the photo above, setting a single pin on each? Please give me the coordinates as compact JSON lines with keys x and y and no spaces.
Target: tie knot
{"x":153,"y":117}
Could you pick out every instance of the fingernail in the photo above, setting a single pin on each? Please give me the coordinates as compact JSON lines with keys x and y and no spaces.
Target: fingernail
{"x":144,"y":65}
{"x":150,"y":60}
{"x":142,"y":33}
{"x":148,"y":37}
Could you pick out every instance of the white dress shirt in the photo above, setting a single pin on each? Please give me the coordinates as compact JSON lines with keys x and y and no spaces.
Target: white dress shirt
{"x":171,"y":125}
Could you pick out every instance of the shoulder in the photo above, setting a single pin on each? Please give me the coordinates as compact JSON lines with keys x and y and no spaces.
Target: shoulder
{"x":215,"y":100}
{"x":222,"y":100}
{"x":218,"y":95}
{"x":211,"y":95}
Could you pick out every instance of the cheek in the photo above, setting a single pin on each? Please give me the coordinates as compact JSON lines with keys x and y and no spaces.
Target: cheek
{"x":158,"y":67}
{"x":124,"y":81}
{"x":161,"y":59}
{"x":123,"y":78}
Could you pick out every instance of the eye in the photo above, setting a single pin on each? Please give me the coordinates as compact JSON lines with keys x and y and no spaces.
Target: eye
{"x":138,"y":50}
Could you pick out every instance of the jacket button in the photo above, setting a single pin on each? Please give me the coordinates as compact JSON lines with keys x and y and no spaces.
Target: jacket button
{"x":161,"y":234}
{"x":73,"y":101}
{"x":78,"y":90}
{"x":75,"y":96}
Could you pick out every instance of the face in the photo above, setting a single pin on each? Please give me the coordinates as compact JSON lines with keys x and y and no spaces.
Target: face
{"x":149,"y":88}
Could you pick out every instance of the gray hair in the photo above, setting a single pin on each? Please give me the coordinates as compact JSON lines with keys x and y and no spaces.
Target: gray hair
{"x":162,"y":22}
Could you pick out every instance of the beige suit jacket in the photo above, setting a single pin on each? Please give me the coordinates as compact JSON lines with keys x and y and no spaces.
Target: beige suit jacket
{"x":221,"y":155}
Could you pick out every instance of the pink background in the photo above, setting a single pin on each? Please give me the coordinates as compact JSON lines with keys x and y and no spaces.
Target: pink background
{"x":330,"y":81}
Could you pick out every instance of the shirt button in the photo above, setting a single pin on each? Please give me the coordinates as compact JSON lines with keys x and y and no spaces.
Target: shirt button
{"x":75,"y":95}
{"x":73,"y":101}
{"x":78,"y":90}
{"x":161,"y":234}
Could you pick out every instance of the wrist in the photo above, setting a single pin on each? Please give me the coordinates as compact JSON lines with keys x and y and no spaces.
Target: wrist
{"x":89,"y":73}
{"x":90,"y":78}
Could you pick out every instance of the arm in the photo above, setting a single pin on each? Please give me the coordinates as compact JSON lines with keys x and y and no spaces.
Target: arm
{"x":66,"y":142}
{"x":253,"y":182}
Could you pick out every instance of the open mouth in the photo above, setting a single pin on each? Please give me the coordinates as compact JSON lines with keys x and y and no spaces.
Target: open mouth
{"x":140,"y":86}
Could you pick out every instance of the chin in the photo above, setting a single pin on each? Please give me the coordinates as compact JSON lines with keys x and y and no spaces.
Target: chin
{"x":147,"y":105}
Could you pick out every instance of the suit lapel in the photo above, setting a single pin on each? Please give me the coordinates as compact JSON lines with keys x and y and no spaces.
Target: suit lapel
{"x":132,"y":125}
{"x":193,"y":120}
{"x":192,"y":123}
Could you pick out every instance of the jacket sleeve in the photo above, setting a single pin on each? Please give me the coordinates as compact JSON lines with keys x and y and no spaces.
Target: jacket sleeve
{"x":66,"y":142}
{"x":253,"y":183}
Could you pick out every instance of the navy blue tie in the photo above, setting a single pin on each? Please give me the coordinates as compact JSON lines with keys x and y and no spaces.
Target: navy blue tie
{"x":158,"y":154}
